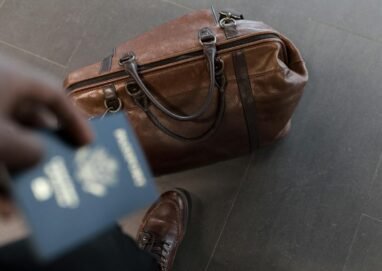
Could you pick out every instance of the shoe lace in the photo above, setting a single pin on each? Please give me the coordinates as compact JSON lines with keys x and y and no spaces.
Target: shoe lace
{"x":158,"y":248}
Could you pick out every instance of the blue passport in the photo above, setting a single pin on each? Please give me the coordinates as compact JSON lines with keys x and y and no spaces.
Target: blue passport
{"x":73,"y":194}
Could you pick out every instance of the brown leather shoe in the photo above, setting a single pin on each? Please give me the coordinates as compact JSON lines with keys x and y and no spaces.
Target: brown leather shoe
{"x":164,"y":226}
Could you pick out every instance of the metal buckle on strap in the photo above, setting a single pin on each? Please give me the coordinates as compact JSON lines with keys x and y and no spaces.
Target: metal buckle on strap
{"x":229,"y":18}
{"x":207,"y":37}
{"x":138,"y":96}
{"x":111,"y":101}
{"x":133,"y":89}
{"x":226,"y":22}
{"x":142,"y":102}
{"x":113,"y":106}
{"x":130,"y":57}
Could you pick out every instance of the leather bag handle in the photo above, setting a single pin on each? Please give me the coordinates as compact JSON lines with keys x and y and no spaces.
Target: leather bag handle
{"x":208,"y":40}
{"x":143,"y":96}
{"x":143,"y":104}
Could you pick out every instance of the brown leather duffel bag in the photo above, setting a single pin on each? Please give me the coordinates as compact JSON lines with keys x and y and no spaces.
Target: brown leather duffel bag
{"x":199,"y":89}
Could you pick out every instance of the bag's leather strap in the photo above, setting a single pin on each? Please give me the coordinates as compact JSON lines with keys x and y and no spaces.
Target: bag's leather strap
{"x":208,"y":41}
{"x":142,"y":101}
{"x":107,"y":63}
{"x":246,"y":95}
{"x":206,"y":134}
{"x":143,"y":97}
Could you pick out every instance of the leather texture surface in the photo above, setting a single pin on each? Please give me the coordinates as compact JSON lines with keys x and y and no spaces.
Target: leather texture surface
{"x":276,"y":72}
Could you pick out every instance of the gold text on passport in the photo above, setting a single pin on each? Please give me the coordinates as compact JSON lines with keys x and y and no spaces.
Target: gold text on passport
{"x":131,"y":159}
{"x":57,"y":182}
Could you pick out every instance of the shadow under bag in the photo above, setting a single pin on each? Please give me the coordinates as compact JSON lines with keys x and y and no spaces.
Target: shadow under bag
{"x":200,"y":89}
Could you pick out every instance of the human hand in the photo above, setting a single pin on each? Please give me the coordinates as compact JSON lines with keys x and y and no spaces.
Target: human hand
{"x":29,"y":100}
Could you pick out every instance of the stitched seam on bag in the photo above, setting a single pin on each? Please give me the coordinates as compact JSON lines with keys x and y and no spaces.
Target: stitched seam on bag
{"x":73,"y":93}
{"x":226,"y":51}
{"x":195,"y":49}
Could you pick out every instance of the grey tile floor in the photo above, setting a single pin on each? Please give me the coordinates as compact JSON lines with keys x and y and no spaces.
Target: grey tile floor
{"x":311,"y":202}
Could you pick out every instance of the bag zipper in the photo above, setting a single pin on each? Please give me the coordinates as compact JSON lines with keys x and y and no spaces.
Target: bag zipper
{"x":170,"y":60}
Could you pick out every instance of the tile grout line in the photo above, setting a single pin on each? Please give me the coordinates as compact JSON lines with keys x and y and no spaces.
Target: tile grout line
{"x":372,"y":218}
{"x":376,"y":174}
{"x":353,"y":241}
{"x":309,"y":18}
{"x":355,"y":236}
{"x":244,"y":178}
{"x":177,"y":4}
{"x":73,"y":53}
{"x":32,"y":54}
{"x":377,"y":40}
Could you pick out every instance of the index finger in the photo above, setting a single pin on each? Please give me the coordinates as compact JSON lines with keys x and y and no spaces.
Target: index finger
{"x":72,"y":124}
